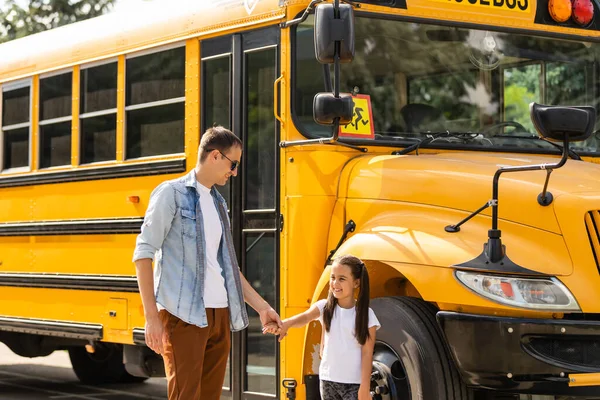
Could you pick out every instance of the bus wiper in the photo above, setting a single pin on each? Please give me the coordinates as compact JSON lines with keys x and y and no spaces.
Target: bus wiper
{"x":431,"y":136}
{"x":572,"y":153}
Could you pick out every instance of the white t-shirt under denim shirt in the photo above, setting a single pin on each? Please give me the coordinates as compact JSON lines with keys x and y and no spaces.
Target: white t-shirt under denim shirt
{"x":215,"y":294}
{"x":342,"y":355}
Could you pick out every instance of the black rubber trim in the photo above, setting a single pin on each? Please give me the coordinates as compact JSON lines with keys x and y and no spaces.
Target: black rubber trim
{"x":74,"y":330}
{"x":107,"y":283}
{"x":73,"y":227}
{"x":100,"y":173}
{"x":312,"y":387}
{"x":139,"y":336}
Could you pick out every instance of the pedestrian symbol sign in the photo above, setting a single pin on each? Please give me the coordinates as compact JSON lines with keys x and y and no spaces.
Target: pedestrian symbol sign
{"x":361,"y":125}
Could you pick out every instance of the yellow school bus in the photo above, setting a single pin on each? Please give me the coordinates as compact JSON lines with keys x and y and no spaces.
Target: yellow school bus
{"x":382,"y":128}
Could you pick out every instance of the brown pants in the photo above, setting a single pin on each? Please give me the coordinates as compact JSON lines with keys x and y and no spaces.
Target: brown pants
{"x":196,"y":358}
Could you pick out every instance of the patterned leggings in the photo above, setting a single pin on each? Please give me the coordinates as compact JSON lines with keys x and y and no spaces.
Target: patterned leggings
{"x":338,"y":391}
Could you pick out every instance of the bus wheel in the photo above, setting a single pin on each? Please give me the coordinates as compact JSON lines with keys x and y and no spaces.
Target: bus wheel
{"x":410,"y":360}
{"x":104,"y":365}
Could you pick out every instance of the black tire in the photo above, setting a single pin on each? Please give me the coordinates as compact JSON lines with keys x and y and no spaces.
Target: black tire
{"x":103,"y":366}
{"x":411,"y":341}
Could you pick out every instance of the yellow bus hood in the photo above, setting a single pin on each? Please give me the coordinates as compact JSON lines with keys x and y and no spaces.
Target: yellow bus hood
{"x":463,"y":181}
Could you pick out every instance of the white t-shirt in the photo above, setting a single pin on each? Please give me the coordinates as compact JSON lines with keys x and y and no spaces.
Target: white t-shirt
{"x":215,"y":294}
{"x":342,"y":356}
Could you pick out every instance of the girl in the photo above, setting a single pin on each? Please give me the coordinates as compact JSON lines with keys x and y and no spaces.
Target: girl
{"x":349,"y":334}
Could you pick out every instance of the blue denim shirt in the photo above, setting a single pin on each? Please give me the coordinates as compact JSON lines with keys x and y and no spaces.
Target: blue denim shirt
{"x":173,"y":237}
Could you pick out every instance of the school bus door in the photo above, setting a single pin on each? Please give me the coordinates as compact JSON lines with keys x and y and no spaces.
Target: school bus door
{"x":238,"y":73}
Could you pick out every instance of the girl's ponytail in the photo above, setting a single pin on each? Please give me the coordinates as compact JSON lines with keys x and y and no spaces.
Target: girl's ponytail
{"x":361,"y":328}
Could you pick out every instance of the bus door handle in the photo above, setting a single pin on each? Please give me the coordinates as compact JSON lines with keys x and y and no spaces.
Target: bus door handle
{"x":276,"y":98}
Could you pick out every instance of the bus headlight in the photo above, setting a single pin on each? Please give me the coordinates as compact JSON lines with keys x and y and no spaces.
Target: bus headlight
{"x":537,"y":294}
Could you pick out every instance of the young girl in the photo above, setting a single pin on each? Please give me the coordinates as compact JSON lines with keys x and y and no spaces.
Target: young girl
{"x":349,"y":334}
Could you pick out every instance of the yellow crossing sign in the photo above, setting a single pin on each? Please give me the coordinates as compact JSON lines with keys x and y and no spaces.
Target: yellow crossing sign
{"x":361,"y":125}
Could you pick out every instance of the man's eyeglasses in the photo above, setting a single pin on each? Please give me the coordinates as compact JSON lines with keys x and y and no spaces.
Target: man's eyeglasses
{"x":234,"y":164}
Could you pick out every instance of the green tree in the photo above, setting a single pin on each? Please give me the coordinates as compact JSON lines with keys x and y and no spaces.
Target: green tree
{"x":17,"y":21}
{"x":521,"y":87}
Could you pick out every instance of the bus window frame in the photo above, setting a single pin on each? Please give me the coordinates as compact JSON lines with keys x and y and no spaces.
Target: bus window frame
{"x":7,"y":87}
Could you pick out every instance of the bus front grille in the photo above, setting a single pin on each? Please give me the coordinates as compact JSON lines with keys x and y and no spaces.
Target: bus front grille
{"x":580,"y":353}
{"x":592,"y":225}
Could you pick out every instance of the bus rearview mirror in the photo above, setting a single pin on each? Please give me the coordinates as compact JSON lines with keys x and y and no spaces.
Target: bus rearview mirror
{"x":327,"y":107}
{"x":330,"y":30}
{"x":558,"y":123}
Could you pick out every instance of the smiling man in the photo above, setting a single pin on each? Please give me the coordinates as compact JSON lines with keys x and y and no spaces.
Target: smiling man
{"x":196,"y":293}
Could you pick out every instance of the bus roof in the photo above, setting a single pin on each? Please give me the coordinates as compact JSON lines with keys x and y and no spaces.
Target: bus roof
{"x":128,"y":30}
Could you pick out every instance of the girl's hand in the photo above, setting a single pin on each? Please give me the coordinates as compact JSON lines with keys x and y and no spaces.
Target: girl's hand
{"x":274,"y":329}
{"x":271,"y":328}
{"x":283,"y":331}
{"x":364,"y":392}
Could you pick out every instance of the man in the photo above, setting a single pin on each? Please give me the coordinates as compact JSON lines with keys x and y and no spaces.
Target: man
{"x":196,"y":293}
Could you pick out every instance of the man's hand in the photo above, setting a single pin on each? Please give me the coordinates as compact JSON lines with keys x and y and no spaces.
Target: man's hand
{"x":271,"y":328}
{"x":274,"y":329}
{"x":155,"y":334}
{"x":269,"y":315}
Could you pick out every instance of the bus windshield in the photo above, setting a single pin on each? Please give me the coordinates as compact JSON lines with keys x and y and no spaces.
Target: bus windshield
{"x":457,"y":87}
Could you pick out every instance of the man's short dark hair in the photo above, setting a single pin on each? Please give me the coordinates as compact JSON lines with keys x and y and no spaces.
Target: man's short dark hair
{"x":217,"y":138}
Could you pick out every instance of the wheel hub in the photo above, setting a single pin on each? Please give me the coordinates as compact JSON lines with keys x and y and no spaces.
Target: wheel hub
{"x":388,"y":380}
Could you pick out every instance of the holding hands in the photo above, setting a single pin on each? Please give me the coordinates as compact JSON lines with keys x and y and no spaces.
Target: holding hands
{"x":277,"y":330}
{"x":296,"y":321}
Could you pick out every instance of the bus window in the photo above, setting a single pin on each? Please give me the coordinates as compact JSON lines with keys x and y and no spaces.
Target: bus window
{"x":15,"y":127}
{"x":440,"y":92}
{"x":465,"y":88}
{"x":216,"y":91}
{"x":98,"y":108}
{"x":546,"y":82}
{"x":569,"y":83}
{"x":521,"y":87}
{"x":217,"y":83}
{"x":155,"y":103}
{"x":55,"y":120}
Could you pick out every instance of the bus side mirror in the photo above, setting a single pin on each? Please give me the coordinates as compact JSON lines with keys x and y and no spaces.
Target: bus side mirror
{"x":330,"y":30}
{"x":558,"y":123}
{"x":327,"y":107}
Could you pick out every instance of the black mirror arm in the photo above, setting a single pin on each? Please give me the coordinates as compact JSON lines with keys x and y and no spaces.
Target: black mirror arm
{"x":349,"y":227}
{"x":544,"y":199}
{"x":303,"y":17}
{"x":537,"y":167}
{"x":327,"y":78}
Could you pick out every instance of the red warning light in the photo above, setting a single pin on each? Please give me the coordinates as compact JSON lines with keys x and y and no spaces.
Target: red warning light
{"x":583,"y":12}
{"x":560,"y":10}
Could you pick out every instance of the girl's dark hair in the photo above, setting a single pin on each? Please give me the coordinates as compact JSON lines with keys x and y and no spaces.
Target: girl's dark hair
{"x":359,"y":271}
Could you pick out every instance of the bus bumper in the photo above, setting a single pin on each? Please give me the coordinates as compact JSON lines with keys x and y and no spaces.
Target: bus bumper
{"x":517,"y":355}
